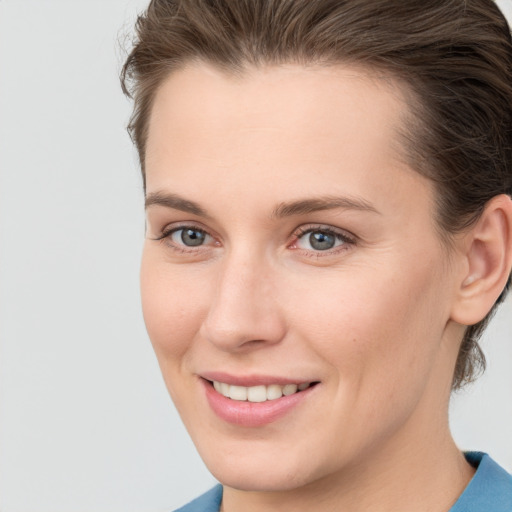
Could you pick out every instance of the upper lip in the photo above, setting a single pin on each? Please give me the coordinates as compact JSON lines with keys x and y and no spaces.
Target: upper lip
{"x":252,"y":379}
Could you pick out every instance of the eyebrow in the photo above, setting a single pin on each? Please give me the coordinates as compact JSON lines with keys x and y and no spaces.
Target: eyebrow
{"x":175,"y":202}
{"x":305,"y":206}
{"x":298,"y":207}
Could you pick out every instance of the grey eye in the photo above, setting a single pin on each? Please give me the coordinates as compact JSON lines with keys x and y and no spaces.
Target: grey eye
{"x":321,"y":241}
{"x":189,"y":237}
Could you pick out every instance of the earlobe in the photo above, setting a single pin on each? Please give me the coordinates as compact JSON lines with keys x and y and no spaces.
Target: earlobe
{"x":487,"y":262}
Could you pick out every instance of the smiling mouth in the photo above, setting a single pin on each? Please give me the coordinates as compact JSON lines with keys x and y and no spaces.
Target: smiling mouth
{"x":261,"y":393}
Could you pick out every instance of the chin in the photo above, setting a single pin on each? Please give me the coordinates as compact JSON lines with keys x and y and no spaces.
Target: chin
{"x":260,"y":480}
{"x":261,"y":472}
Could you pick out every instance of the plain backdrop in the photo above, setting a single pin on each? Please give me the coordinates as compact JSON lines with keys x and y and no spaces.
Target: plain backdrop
{"x":85,"y":420}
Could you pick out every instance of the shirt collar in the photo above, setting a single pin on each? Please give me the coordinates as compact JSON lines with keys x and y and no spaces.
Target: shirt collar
{"x":489,"y":489}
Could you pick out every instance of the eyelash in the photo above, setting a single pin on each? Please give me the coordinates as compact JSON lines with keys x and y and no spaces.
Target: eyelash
{"x":297,"y":235}
{"x":166,"y":235}
{"x":348,"y":240}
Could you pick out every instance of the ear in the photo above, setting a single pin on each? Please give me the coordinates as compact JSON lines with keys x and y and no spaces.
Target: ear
{"x":487,"y":262}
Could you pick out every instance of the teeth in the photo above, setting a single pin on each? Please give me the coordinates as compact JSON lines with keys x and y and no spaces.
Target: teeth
{"x":290,"y":389}
{"x":224,"y":389}
{"x":274,"y":391}
{"x":258,"y":393}
{"x":238,"y":392}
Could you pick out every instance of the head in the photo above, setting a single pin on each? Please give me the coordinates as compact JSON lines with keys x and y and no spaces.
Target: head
{"x":428,"y":86}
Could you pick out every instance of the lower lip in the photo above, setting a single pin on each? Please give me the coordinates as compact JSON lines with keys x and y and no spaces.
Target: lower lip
{"x":253,"y":414}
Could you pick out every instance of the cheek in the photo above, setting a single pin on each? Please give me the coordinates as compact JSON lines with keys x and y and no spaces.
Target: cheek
{"x":376,"y":337}
{"x":171,"y":306}
{"x":377,"y":331}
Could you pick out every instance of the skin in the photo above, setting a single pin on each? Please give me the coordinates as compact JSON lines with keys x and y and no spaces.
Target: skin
{"x":370,"y":319}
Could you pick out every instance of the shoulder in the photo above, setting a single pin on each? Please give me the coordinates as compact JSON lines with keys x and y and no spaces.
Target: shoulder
{"x":207,"y":502}
{"x":489,"y":489}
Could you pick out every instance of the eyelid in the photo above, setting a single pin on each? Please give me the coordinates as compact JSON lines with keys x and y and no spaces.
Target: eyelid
{"x":311,"y":228}
{"x":176,"y":226}
{"x":167,"y":232}
{"x":348,"y":239}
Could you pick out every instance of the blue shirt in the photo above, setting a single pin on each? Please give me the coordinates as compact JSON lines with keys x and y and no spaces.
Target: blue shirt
{"x":490,"y":490}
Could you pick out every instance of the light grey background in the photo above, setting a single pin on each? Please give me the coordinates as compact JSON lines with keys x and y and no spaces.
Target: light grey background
{"x":85,"y":420}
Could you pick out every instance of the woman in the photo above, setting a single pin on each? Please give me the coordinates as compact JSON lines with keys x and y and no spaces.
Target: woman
{"x":329,"y":229}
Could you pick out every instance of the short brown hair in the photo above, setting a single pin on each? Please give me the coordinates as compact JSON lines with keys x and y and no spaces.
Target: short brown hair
{"x":454,"y":55}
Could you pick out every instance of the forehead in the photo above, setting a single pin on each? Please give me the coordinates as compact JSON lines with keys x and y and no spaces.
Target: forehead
{"x":319,"y":105}
{"x":306,"y":130}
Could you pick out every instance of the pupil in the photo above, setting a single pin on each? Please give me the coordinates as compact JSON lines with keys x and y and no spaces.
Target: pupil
{"x":321,"y":241}
{"x":191,"y":237}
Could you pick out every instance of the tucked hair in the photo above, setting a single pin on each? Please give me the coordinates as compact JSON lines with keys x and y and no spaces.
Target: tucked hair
{"x":453,"y":56}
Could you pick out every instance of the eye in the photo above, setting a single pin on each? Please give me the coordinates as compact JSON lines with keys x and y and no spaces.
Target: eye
{"x":320,"y":239}
{"x":185,"y":238}
{"x":189,"y":236}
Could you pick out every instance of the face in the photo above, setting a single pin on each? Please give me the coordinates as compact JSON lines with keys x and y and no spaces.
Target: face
{"x":292,"y":263}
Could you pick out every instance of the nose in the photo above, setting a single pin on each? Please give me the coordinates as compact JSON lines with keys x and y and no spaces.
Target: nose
{"x":244,"y":314}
